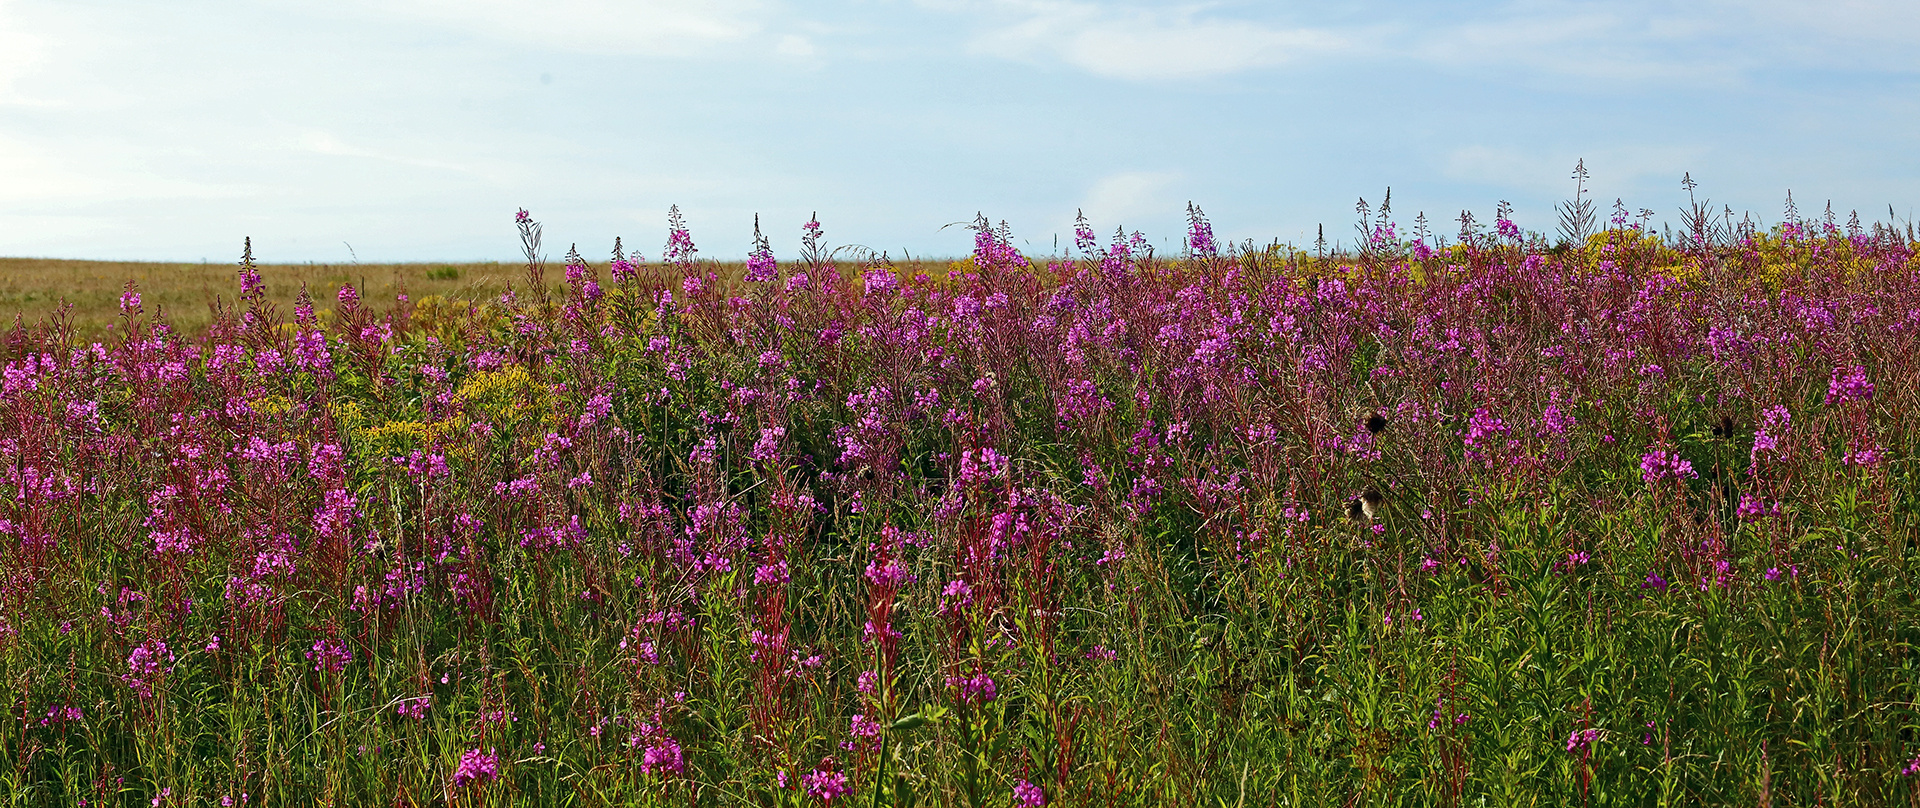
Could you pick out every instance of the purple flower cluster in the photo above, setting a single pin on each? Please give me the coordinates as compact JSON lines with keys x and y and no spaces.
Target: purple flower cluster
{"x":329,"y":655}
{"x":679,"y":249}
{"x":149,"y":661}
{"x":1199,"y":233}
{"x":663,"y":755}
{"x":826,"y":783}
{"x":1664,"y":464}
{"x":976,"y":689}
{"x":1752,"y":507}
{"x":1849,"y":384}
{"x":1581,"y":741}
{"x":476,"y":767}
{"x":761,"y":266}
{"x":414,"y":708}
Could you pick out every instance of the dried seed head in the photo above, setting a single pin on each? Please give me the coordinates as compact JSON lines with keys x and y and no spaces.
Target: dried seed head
{"x":1370,"y":502}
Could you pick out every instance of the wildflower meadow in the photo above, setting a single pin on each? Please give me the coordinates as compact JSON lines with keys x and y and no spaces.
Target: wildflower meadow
{"x":1617,"y":517}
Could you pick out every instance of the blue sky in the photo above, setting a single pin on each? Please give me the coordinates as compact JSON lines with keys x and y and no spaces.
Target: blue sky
{"x":412,"y":129}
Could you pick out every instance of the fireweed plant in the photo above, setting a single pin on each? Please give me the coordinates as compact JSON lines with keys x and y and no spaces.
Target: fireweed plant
{"x":1627,"y":520}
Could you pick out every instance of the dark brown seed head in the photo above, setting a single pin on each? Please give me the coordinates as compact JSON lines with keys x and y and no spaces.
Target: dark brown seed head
{"x":1370,"y":502}
{"x":1376,"y":423}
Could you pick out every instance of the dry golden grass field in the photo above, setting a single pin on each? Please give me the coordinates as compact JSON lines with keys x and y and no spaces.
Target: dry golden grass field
{"x":33,"y":288}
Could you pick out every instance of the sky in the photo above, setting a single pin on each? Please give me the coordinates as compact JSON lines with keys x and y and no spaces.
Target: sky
{"x":411,"y":130}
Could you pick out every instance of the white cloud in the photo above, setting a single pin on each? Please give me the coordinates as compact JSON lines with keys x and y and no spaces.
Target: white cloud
{"x":1140,"y":44}
{"x":792,"y":45}
{"x":1598,"y":45}
{"x":326,"y":143}
{"x":645,"y":27}
{"x":1634,"y":42}
{"x":19,"y":53}
{"x":1131,"y":196}
{"x":33,"y":176}
{"x":1715,"y":42}
{"x":39,"y":172}
{"x":1549,"y":174}
{"x":1865,"y":34}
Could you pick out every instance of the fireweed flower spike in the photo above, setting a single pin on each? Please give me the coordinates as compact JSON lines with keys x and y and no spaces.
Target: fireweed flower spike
{"x":826,"y":782}
{"x":1663,"y":464}
{"x":679,"y":250}
{"x":145,"y":666}
{"x":251,"y":287}
{"x":329,"y":655}
{"x":1084,"y":239}
{"x":476,"y":767}
{"x":1200,"y":234}
{"x":1849,"y":384}
{"x":761,"y":266}
{"x":1581,"y":741}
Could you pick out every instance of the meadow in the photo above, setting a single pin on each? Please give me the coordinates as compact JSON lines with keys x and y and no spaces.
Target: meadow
{"x":184,"y":294}
{"x":1621,"y":518}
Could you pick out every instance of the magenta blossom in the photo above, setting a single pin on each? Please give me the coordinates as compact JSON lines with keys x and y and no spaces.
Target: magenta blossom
{"x":477,"y":767}
{"x":826,"y":783}
{"x":329,"y":655}
{"x":145,"y":665}
{"x":1661,"y":464}
{"x":1581,"y":740}
{"x":1849,"y":384}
